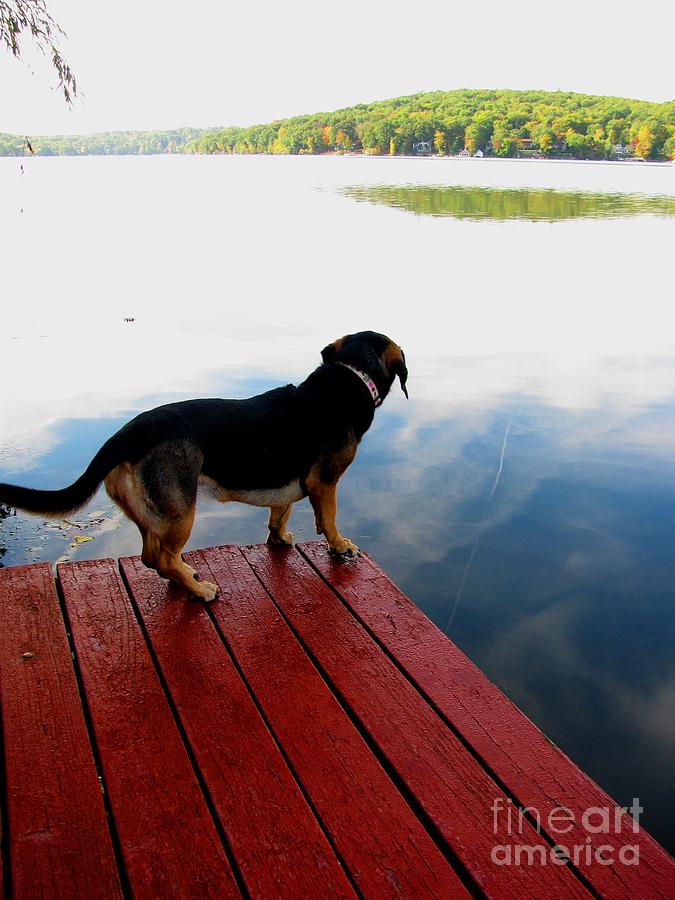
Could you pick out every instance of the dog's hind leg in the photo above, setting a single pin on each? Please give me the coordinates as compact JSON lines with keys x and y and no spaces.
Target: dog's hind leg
{"x":125,"y":491}
{"x":150,"y":551}
{"x":172,"y":539}
{"x":169,"y":475}
{"x":159,"y":494}
{"x":277,"y":522}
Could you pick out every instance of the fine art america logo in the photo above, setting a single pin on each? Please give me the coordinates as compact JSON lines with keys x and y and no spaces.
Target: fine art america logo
{"x":558,"y":822}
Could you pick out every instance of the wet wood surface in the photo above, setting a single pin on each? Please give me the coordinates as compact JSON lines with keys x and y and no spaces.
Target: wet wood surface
{"x":308,"y":734}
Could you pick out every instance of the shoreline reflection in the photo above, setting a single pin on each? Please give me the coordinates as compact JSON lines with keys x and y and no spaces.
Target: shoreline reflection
{"x":476,"y":203}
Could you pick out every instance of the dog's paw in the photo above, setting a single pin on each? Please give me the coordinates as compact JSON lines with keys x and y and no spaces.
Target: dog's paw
{"x":205,"y":590}
{"x":280,"y":540}
{"x":345,"y":549}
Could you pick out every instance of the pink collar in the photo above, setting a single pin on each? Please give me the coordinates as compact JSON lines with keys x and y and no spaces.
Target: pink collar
{"x":367,"y":380}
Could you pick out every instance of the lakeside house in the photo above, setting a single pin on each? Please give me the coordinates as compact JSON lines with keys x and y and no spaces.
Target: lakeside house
{"x":422,"y":147}
{"x":620,"y":152}
{"x":526,"y":147}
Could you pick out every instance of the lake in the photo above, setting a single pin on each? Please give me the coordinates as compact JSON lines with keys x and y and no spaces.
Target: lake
{"x":524,"y":497}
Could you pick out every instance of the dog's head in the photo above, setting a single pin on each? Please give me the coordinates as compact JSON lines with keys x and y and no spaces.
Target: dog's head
{"x":373,"y":353}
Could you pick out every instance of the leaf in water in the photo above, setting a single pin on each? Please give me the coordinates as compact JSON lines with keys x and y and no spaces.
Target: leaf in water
{"x":72,"y":524}
{"x":81,"y":539}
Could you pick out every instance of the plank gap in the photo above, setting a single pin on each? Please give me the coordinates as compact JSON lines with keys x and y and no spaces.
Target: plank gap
{"x":86,"y":714}
{"x":385,"y":846}
{"x":453,"y":860}
{"x":184,"y":738}
{"x":283,"y":754}
{"x":508,"y":792}
{"x":56,"y":814}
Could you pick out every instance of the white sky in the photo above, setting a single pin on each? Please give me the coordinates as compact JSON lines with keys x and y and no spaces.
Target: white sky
{"x":150,"y":64}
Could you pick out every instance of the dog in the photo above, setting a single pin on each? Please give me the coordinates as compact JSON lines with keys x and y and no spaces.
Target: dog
{"x":269,"y":450}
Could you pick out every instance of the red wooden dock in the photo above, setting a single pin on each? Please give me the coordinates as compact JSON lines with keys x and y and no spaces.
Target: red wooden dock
{"x":309,"y":734}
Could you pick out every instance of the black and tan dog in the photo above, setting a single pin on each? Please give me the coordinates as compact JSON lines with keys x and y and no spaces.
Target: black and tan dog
{"x":270,"y":450}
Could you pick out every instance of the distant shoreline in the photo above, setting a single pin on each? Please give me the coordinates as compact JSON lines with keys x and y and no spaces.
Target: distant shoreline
{"x":529,"y":159}
{"x":493,"y":123}
{"x":632,"y":163}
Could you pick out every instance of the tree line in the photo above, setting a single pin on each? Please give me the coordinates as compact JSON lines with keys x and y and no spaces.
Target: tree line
{"x":498,"y":123}
{"x":117,"y":143}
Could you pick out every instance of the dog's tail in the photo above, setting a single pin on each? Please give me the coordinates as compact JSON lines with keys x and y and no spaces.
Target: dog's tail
{"x":54,"y":504}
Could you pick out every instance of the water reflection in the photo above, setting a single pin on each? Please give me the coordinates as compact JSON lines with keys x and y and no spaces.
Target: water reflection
{"x":500,"y":204}
{"x":549,"y":535}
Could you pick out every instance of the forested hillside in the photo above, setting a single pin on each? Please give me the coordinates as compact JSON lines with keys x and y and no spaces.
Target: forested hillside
{"x":500,"y":123}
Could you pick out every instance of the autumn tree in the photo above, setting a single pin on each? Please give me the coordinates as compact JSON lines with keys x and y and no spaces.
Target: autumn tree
{"x":342,"y":140}
{"x":643,"y":141}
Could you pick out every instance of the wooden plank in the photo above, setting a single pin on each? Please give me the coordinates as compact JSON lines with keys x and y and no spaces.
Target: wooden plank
{"x":56,"y":826}
{"x":168,"y":839}
{"x":445,"y":779}
{"x":277,"y":843}
{"x":534,"y":770}
{"x":380,"y":841}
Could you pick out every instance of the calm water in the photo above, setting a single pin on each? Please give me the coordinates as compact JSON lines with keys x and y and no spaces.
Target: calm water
{"x":524,"y":497}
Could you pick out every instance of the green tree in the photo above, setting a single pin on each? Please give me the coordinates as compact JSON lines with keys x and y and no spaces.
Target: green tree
{"x":454,"y":133}
{"x":616,"y":131}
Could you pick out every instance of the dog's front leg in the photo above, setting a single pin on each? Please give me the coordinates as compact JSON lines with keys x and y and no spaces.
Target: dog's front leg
{"x":278,"y":520}
{"x":323,"y":498}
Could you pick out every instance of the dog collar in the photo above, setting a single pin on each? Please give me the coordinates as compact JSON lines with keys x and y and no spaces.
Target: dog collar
{"x":367,"y":380}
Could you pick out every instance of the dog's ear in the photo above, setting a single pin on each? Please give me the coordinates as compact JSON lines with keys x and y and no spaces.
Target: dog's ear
{"x":329,"y":353}
{"x":401,"y":370}
{"x":394,"y":360}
